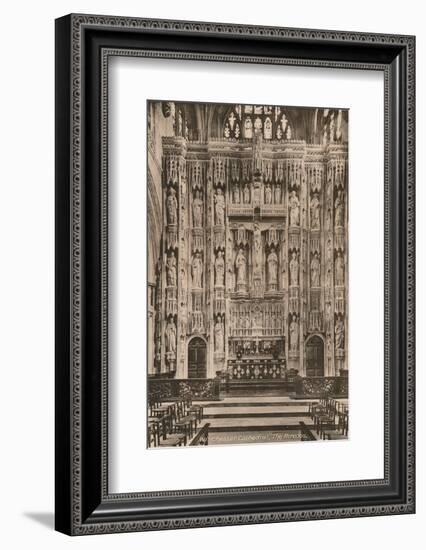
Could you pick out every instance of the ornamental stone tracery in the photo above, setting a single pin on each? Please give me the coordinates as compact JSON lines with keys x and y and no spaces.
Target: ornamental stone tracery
{"x":254,"y":245}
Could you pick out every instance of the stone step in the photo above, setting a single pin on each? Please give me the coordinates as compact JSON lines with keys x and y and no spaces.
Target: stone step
{"x":262,"y":423}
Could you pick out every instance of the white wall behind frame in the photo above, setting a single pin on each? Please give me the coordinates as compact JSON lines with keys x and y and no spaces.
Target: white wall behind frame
{"x":26,"y":289}
{"x":133,"y":81}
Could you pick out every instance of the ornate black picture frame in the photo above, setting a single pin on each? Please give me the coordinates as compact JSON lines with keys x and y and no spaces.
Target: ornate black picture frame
{"x":83,"y":45}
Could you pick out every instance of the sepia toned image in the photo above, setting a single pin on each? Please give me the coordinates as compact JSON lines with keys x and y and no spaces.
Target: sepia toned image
{"x":247,"y":274}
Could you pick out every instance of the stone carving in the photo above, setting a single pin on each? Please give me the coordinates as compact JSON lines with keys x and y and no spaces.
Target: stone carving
{"x":171,"y":336}
{"x":315,"y":212}
{"x":171,"y":269}
{"x":220,"y":269}
{"x":277,"y":194}
{"x":339,"y":208}
{"x":268,"y":194}
{"x":294,"y":334}
{"x":339,"y":270}
{"x":257,"y":251}
{"x":219,"y":207}
{"x":315,"y":271}
{"x":197,"y":271}
{"x":171,"y":206}
{"x":272,"y":269}
{"x":246,"y":194}
{"x":294,"y":270}
{"x":241,"y":266}
{"x":294,"y":204}
{"x":236,"y":194}
{"x":339,"y":332}
{"x":219,"y":339}
{"x":197,"y":210}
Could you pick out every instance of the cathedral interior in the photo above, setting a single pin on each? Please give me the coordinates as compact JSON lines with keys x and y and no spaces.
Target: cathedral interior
{"x":247,"y":234}
{"x":247,"y":273}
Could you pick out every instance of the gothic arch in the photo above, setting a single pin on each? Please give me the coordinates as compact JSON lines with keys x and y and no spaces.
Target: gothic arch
{"x":315,"y":355}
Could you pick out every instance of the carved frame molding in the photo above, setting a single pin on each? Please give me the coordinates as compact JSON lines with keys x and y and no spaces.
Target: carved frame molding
{"x":84,"y":44}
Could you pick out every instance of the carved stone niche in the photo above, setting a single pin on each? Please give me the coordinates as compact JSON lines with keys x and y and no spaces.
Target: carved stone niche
{"x":219,"y":237}
{"x":294,"y":238}
{"x":197,"y":240}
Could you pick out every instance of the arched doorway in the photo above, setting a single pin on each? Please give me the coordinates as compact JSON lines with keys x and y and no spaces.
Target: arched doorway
{"x":197,"y":356}
{"x":315,"y":356}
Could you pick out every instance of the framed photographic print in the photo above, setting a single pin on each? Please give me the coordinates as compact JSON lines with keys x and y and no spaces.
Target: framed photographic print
{"x":234,"y":274}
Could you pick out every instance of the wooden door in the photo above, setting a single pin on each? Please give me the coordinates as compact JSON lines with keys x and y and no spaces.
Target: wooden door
{"x":315,"y":357}
{"x":197,"y":355}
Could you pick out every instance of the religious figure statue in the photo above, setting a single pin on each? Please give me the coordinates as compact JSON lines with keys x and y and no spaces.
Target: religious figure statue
{"x":197,"y":210}
{"x":180,"y":124}
{"x":171,"y":207}
{"x":277,"y":194}
{"x":272,"y":268}
{"x":240,"y":264}
{"x":220,"y":207}
{"x":315,"y":271}
{"x":268,"y":194}
{"x":294,"y":270}
{"x":294,"y":334}
{"x":339,"y":207}
{"x":257,"y":252}
{"x":197,"y":271}
{"x":171,"y":337}
{"x":219,"y":269}
{"x":340,"y":270}
{"x":339,"y":332}
{"x":236,"y":193}
{"x":294,"y":209}
{"x":315,"y":212}
{"x":246,"y":194}
{"x":171,"y":269}
{"x":218,"y":336}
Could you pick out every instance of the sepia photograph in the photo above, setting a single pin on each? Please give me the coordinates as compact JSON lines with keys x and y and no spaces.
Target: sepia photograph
{"x":247,"y":274}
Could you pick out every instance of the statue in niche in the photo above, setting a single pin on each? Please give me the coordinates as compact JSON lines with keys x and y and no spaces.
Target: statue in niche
{"x":294,"y":209}
{"x":171,"y":207}
{"x":246,"y":194}
{"x":315,"y":212}
{"x":294,"y":334}
{"x":272,"y":268}
{"x":241,"y":264}
{"x":294,"y":270}
{"x":197,"y":210}
{"x":268,"y":194}
{"x":236,"y":193}
{"x":180,"y":123}
{"x":339,"y":332}
{"x":171,"y":269}
{"x":339,"y":207}
{"x":329,"y":347}
{"x":171,"y":337}
{"x":329,"y":277}
{"x":277,"y":194}
{"x":315,"y":271}
{"x":218,"y":335}
{"x":329,"y":251}
{"x":328,"y":310}
{"x":257,"y":252}
{"x":220,"y":207}
{"x":219,"y":269}
{"x":339,"y":267}
{"x":197,"y":271}
{"x":248,"y":128}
